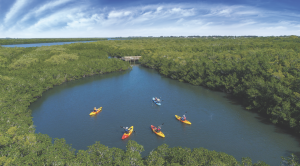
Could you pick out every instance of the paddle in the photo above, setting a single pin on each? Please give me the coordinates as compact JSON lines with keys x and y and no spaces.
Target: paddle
{"x":158,"y":126}
{"x":162,"y":124}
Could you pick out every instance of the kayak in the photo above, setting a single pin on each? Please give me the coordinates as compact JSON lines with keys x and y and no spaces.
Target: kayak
{"x":127,"y":135}
{"x":98,"y":110}
{"x":183,"y":121}
{"x":157,"y":103}
{"x":157,"y":133}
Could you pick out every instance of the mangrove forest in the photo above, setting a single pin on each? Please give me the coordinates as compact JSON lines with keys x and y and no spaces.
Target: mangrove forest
{"x":262,"y":73}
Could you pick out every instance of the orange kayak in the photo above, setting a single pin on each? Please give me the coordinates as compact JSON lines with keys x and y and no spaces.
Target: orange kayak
{"x":157,"y":133}
{"x":127,"y":135}
{"x":98,"y":110}
{"x":183,"y":121}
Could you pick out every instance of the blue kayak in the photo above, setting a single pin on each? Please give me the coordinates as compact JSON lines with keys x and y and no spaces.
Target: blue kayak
{"x":156,"y":102}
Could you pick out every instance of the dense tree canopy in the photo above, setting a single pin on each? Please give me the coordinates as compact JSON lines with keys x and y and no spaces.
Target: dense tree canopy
{"x":263,"y":72}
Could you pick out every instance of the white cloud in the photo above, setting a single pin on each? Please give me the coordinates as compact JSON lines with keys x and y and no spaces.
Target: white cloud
{"x":249,"y":12}
{"x":48,"y":6}
{"x":116,"y":14}
{"x":18,"y":5}
{"x":53,"y":20}
{"x":81,"y":21}
{"x":158,"y":10}
{"x":225,"y":12}
{"x":183,"y":12}
{"x":233,"y":11}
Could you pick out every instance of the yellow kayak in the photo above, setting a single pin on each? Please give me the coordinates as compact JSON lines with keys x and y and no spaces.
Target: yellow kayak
{"x":157,"y":133}
{"x":183,"y":121}
{"x":127,"y":135}
{"x":97,"y":111}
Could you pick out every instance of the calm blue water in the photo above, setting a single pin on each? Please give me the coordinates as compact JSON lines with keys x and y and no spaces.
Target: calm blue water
{"x":43,"y":44}
{"x":217,"y":123}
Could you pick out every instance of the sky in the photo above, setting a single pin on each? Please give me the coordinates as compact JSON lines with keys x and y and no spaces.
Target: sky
{"x":124,"y":18}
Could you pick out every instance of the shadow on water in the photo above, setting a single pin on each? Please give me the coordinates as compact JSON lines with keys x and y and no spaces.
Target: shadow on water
{"x":265,"y":119}
{"x":262,"y":119}
{"x":77,"y":83}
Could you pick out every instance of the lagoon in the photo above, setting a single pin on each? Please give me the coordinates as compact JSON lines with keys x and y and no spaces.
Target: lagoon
{"x":218,"y":123}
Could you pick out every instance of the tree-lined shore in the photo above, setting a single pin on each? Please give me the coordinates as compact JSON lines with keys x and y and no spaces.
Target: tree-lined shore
{"x":263,"y":73}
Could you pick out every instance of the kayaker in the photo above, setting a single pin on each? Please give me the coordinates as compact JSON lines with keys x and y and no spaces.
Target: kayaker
{"x":183,"y":118}
{"x":158,"y":129}
{"x":126,"y":130}
{"x":155,"y":98}
{"x":95,"y":109}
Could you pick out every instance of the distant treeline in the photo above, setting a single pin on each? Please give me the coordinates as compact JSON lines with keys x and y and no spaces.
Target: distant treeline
{"x":11,"y":41}
{"x":25,"y":73}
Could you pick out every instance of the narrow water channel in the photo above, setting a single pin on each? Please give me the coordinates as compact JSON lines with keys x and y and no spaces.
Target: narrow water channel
{"x":43,"y":44}
{"x":217,"y":123}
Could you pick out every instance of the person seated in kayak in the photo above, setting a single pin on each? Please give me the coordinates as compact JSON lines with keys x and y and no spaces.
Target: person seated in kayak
{"x":183,"y":118}
{"x":155,"y":99}
{"x":95,"y":110}
{"x":126,"y":130}
{"x":158,"y":129}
